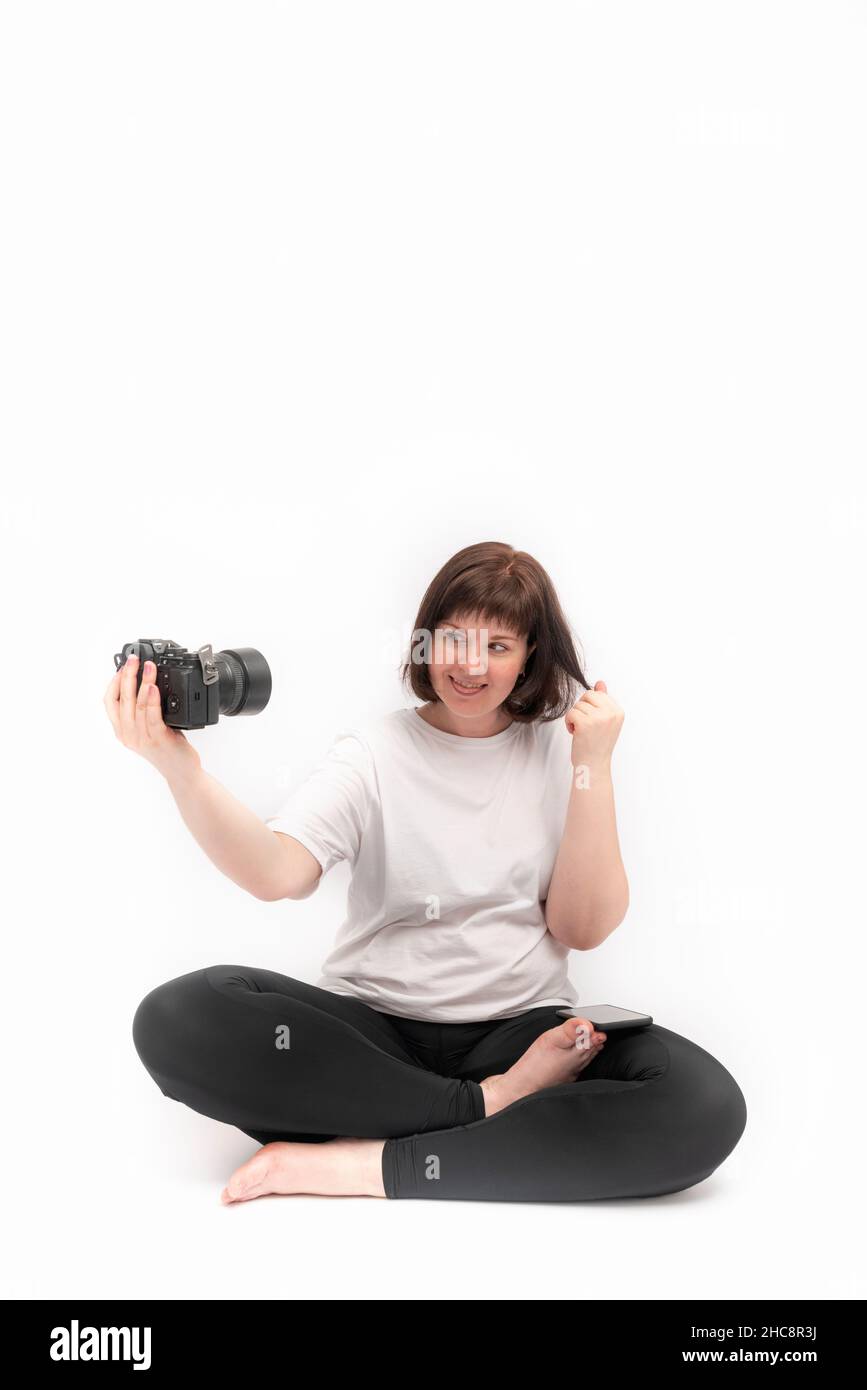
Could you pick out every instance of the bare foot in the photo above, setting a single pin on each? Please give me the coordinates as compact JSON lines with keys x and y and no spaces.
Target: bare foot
{"x":336,"y":1168}
{"x":556,"y":1056}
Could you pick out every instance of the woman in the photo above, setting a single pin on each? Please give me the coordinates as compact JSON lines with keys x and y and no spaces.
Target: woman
{"x":429,"y":1060}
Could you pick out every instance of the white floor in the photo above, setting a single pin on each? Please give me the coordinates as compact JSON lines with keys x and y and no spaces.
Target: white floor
{"x":123,"y":1201}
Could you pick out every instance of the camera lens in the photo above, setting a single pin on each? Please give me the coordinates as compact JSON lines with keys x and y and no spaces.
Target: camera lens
{"x":245,"y":680}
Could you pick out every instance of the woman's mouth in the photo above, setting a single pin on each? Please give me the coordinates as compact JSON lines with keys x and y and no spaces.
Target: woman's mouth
{"x":468,"y":690}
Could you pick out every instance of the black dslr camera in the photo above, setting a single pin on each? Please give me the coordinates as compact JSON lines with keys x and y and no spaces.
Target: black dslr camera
{"x":196,"y":687}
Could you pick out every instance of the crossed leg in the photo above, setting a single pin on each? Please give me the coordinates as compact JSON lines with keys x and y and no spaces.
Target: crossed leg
{"x":293,"y":1066}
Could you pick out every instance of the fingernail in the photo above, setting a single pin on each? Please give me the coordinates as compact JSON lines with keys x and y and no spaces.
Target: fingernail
{"x":148,"y":668}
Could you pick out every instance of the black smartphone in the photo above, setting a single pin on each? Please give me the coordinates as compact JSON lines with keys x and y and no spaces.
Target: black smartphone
{"x":607,"y":1017}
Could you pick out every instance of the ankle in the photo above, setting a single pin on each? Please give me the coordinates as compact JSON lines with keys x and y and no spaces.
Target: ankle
{"x":364,"y":1172}
{"x":496,"y":1093}
{"x":373,"y":1180}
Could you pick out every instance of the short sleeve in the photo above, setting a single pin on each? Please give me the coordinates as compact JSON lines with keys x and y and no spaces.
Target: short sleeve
{"x":328,"y":810}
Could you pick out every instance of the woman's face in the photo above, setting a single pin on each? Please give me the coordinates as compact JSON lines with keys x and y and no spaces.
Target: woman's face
{"x":471,"y":670}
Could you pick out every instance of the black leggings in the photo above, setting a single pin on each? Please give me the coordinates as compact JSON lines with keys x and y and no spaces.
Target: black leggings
{"x":281,"y":1059}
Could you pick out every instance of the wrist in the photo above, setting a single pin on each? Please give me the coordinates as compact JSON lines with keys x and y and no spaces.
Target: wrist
{"x":182,"y":776}
{"x":588,"y":772}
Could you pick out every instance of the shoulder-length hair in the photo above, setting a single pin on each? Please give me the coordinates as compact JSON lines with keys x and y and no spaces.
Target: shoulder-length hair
{"x":504,"y":585}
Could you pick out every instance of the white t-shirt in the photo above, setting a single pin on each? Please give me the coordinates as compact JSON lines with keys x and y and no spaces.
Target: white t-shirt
{"x":452,"y":843}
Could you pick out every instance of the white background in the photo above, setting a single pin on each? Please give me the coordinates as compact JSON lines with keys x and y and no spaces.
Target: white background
{"x":299,"y":299}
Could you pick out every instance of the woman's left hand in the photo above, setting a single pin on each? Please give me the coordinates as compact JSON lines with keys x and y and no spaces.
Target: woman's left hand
{"x":594,"y":723}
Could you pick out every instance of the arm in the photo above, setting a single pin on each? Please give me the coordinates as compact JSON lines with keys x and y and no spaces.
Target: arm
{"x":588,"y":895}
{"x":269,"y":864}
{"x":265,"y":862}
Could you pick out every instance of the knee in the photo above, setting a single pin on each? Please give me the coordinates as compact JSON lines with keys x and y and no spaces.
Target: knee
{"x":723,"y":1110}
{"x":718,"y":1116}
{"x":162,"y":1016}
{"x":701,"y":1113}
{"x":148,"y":1021}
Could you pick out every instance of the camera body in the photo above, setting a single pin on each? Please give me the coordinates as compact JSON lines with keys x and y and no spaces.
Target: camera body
{"x":197,"y":686}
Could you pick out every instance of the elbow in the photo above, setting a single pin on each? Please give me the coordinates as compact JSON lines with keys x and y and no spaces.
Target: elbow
{"x":295,"y":892}
{"x":579,"y":939}
{"x":583,"y":938}
{"x":306,"y":891}
{"x":587,"y":934}
{"x":271,"y":894}
{"x":265,"y":895}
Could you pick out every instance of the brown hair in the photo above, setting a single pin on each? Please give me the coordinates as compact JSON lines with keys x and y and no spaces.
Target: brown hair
{"x":505,"y":585}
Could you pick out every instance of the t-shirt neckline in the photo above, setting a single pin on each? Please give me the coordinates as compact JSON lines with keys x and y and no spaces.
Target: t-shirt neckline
{"x":491,"y":741}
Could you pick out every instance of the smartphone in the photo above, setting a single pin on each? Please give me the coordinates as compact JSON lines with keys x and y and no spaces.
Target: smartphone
{"x":607,"y":1017}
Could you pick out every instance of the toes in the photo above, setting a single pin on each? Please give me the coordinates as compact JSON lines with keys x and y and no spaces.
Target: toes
{"x":576,"y":1032}
{"x":234,"y":1191}
{"x":244,"y":1191}
{"x":580,"y":1033}
{"x":246,"y":1181}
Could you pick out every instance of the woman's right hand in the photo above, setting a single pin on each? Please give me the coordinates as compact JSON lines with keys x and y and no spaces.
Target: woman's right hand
{"x":138,"y":720}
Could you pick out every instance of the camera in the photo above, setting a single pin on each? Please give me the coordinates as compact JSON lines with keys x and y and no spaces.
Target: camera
{"x":196,"y":687}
